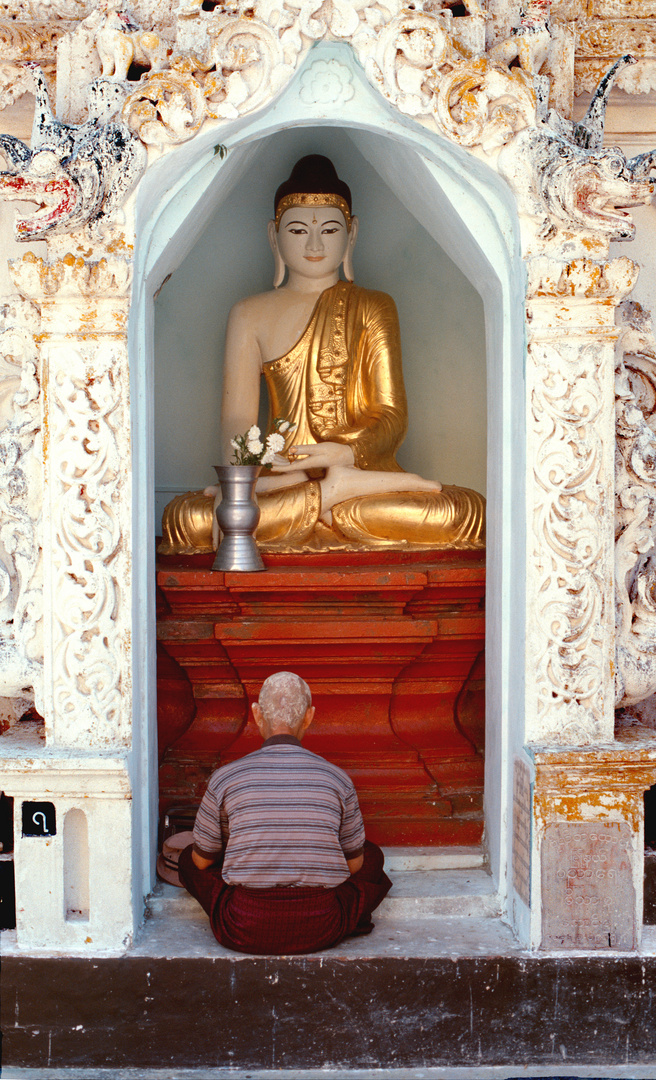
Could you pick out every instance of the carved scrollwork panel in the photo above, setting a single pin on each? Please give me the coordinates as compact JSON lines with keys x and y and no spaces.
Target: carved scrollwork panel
{"x":481,"y":103}
{"x":407,"y":52}
{"x":570,"y":638}
{"x":635,"y":509}
{"x":21,"y":594}
{"x":88,"y":575}
{"x":168,"y":108}
{"x":251,"y":58}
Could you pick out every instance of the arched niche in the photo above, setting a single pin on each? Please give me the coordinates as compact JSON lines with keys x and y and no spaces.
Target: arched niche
{"x":471,"y":215}
{"x":441,"y":316}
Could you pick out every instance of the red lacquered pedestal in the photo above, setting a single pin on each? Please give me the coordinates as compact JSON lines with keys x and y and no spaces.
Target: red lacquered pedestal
{"x":392,"y":647}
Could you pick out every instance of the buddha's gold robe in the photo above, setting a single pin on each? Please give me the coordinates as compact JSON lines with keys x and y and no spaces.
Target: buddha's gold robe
{"x":341,"y":382}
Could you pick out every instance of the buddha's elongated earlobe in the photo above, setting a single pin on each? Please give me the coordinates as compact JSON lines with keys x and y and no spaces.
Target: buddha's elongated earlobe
{"x":348,"y":255}
{"x":279,"y":266}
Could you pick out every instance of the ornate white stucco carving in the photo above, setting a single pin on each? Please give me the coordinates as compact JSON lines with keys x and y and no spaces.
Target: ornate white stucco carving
{"x":602,"y":38}
{"x":599,"y":30}
{"x":226,"y":63}
{"x":570,"y":454}
{"x":87,"y":509}
{"x":564,"y":189}
{"x":326,"y":81}
{"x":635,"y":507}
{"x":21,"y":585}
{"x":203,"y":68}
{"x":79,"y":175}
{"x":120,"y":42}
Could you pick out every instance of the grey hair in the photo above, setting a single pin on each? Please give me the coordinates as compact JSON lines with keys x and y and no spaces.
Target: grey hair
{"x":284,"y":699}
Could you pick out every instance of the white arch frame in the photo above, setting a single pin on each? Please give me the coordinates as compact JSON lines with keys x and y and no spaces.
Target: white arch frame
{"x":445,"y":187}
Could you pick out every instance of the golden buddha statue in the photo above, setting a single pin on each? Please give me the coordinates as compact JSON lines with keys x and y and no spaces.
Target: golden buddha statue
{"x":330,"y":353}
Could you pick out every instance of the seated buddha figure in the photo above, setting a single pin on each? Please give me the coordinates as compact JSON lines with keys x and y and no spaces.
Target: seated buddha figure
{"x":330,"y":353}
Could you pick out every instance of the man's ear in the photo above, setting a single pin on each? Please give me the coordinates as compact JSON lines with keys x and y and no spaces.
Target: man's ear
{"x":258,"y":716}
{"x":348,"y":256}
{"x":306,"y":721}
{"x":279,"y":269}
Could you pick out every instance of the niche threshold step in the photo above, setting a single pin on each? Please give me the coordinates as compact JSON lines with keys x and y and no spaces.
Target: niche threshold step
{"x":415,"y":894}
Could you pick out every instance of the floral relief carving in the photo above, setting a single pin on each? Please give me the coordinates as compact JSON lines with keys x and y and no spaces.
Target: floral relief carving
{"x":484,"y":104}
{"x":601,"y":39}
{"x":242,"y":63}
{"x":206,"y":67}
{"x":169,"y":109}
{"x":570,"y":449}
{"x":87,"y":507}
{"x":86,"y":403}
{"x":36,"y":42}
{"x":635,"y":508}
{"x":213,"y":66}
{"x":72,"y":277}
{"x":21,"y":587}
{"x":640,"y":79}
{"x":568,"y":531}
{"x":326,"y":81}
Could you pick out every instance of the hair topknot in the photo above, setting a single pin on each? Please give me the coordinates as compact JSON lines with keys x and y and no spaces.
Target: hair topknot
{"x":313,"y":174}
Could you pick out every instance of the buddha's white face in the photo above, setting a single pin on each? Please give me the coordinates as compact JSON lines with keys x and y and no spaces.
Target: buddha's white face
{"x":313,"y":241}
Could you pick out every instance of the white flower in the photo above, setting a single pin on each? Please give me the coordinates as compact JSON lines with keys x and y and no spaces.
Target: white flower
{"x":253,"y":433}
{"x":267,"y":457}
{"x":254,"y":446}
{"x":282,"y":428}
{"x":234,"y":444}
{"x":275,"y":442}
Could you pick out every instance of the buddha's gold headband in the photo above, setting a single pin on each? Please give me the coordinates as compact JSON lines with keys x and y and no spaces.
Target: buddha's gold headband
{"x":313,"y":199}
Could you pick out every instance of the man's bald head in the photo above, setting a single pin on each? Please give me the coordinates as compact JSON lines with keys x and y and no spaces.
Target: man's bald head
{"x":284,"y":701}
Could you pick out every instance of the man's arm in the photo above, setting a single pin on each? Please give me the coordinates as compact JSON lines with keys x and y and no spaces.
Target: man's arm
{"x":353,"y":864}
{"x":208,"y":839}
{"x":203,"y":863}
{"x":351,"y":832}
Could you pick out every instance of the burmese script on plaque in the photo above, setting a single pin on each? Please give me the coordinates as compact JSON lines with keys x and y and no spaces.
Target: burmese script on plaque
{"x":587,"y":886}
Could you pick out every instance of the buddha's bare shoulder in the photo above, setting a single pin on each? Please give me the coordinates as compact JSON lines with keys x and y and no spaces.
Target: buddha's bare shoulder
{"x":259,"y":304}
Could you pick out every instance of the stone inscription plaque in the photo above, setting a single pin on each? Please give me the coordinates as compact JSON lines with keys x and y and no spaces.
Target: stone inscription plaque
{"x":521,"y":844}
{"x":588,"y":897}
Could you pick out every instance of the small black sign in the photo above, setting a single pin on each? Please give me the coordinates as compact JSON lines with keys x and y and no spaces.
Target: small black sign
{"x":7,"y":896}
{"x":39,"y":819}
{"x":6,"y":823}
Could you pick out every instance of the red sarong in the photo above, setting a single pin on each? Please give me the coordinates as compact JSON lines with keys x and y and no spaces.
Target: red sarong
{"x":289,"y":920}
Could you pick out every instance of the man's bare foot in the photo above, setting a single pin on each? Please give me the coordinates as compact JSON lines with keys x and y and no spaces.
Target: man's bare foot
{"x":348,"y":482}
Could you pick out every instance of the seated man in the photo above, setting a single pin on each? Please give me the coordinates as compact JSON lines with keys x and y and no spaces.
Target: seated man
{"x":279,"y":860}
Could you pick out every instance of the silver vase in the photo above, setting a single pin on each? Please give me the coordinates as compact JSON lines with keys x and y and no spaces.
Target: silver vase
{"x":238,"y":515}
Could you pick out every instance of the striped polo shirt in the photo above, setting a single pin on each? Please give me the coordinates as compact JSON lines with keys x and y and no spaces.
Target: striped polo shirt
{"x":283,"y":815}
